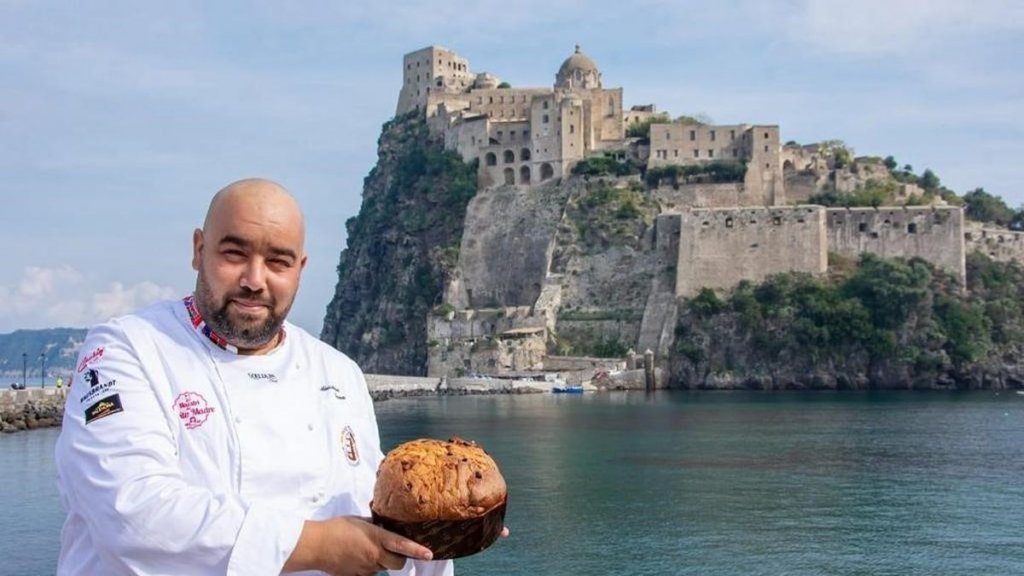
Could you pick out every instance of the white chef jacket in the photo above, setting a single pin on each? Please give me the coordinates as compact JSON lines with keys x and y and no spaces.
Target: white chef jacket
{"x":179,"y":456}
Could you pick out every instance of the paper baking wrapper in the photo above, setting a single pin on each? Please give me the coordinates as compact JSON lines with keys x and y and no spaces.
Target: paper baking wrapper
{"x":449,"y":539}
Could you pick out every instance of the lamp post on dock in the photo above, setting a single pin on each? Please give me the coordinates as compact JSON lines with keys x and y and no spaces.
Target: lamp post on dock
{"x":42,"y":369}
{"x":24,"y":367}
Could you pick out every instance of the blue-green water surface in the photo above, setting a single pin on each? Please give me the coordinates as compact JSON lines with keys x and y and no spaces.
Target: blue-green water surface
{"x":730,"y":484}
{"x":709,"y":483}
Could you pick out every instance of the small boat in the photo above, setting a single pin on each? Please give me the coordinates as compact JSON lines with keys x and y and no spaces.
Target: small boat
{"x":567,"y":389}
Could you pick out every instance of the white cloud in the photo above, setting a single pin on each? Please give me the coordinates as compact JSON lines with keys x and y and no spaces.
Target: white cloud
{"x":879,"y":27}
{"x":64,"y":296}
{"x":120,"y":300}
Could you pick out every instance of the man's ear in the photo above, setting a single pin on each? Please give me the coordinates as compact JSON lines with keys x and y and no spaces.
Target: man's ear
{"x":197,"y":248}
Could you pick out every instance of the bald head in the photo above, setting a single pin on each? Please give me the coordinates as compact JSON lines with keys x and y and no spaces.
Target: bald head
{"x":256,"y":196}
{"x":249,"y":256}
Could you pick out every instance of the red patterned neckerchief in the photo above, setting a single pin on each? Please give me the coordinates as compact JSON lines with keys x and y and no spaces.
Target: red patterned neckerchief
{"x":203,"y":328}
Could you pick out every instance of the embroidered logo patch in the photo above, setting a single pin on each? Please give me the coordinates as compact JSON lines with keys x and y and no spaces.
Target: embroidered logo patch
{"x":95,"y":388}
{"x":105,"y":407}
{"x":92,"y":377}
{"x":193,"y":409}
{"x":90,"y":358}
{"x":348,"y":444}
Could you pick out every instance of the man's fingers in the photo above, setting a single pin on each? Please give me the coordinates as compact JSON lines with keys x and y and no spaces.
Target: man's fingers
{"x":391,"y":561}
{"x":404,"y":547}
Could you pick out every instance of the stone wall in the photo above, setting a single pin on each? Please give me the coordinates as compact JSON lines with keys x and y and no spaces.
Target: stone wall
{"x":688,"y":196}
{"x":718,"y":248}
{"x":31,"y":408}
{"x":933,"y":233}
{"x":997,"y":243}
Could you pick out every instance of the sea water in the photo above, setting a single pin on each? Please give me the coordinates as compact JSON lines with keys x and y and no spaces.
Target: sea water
{"x":708,"y":483}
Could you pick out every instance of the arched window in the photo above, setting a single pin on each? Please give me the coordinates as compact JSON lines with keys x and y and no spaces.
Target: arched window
{"x":545,"y":104}
{"x":524,"y":175}
{"x":510,"y":176}
{"x":491,"y":159}
{"x":524,"y":154}
{"x":546,"y":171}
{"x":510,"y":156}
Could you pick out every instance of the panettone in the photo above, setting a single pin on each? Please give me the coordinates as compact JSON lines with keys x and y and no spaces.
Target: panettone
{"x":447,"y":495}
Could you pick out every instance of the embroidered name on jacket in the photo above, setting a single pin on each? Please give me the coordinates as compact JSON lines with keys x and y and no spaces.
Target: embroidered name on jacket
{"x":334,"y":389}
{"x":193,"y":409}
{"x":263,"y":376}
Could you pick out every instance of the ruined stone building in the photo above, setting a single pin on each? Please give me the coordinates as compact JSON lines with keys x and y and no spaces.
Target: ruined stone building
{"x":510,"y":293}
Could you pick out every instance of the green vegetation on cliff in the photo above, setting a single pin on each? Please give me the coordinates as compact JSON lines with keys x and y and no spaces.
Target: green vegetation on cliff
{"x":401,"y":247}
{"x":873,"y":323}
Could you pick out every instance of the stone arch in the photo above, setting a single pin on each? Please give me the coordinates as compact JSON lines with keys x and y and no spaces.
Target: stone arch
{"x":524,"y":154}
{"x":510,"y":176}
{"x":524,"y":175}
{"x":510,"y":156}
{"x":546,"y":172}
{"x":788,"y":166}
{"x":491,"y":159}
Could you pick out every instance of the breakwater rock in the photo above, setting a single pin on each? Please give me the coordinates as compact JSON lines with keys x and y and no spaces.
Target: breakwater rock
{"x":383,"y":387}
{"x":31,"y":409}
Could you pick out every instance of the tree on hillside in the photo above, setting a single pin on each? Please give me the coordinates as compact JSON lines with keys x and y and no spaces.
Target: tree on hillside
{"x":984,"y":207}
{"x":929,"y":181}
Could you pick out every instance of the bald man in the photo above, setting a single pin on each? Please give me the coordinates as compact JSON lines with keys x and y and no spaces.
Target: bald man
{"x":211,"y":436}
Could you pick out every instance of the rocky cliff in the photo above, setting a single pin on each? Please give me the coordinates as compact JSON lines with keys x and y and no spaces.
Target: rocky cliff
{"x":401,"y":248}
{"x":505,"y":279}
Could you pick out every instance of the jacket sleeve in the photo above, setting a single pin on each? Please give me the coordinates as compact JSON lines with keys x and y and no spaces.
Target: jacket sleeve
{"x":118,"y":469}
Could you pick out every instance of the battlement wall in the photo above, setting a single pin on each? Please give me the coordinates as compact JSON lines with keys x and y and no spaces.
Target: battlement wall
{"x":933,"y":233}
{"x":720,"y":247}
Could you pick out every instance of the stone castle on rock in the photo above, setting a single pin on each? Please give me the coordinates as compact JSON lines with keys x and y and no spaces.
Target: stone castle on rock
{"x":516,"y":278}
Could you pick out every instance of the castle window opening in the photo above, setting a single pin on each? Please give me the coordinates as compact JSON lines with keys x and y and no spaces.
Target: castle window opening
{"x":510,"y":156}
{"x":512,"y":134}
{"x":711,"y":153}
{"x":768,"y":166}
{"x":777,"y":221}
{"x":735,"y":153}
{"x":728,"y":222}
{"x":696,"y":153}
{"x":912,"y":228}
{"x":544,"y":119}
{"x":491,"y":159}
{"x":712,"y":134}
{"x":500,"y":134}
{"x":693,"y":135}
{"x":765,"y":147}
{"x":668,"y":135}
{"x":675,"y":153}
{"x":510,"y":176}
{"x":765,"y":135}
{"x":874,"y":234}
{"x":490,"y":99}
{"x":524,"y":175}
{"x":546,"y":171}
{"x":732,"y":134}
{"x":862,"y":227}
{"x":572,"y":128}
{"x":524,"y":154}
{"x":545,"y":104}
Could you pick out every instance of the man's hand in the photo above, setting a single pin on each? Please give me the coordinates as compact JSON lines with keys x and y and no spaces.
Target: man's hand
{"x":348,"y":546}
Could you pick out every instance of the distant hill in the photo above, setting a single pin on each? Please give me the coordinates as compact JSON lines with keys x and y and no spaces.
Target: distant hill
{"x":59,"y":344}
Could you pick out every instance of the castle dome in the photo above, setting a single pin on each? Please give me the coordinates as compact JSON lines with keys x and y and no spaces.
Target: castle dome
{"x":578,"y":71}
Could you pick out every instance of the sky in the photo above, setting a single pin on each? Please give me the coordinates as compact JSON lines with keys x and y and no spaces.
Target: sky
{"x":120,"y":119}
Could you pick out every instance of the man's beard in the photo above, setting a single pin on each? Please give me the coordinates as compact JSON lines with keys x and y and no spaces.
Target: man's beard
{"x":245,"y":336}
